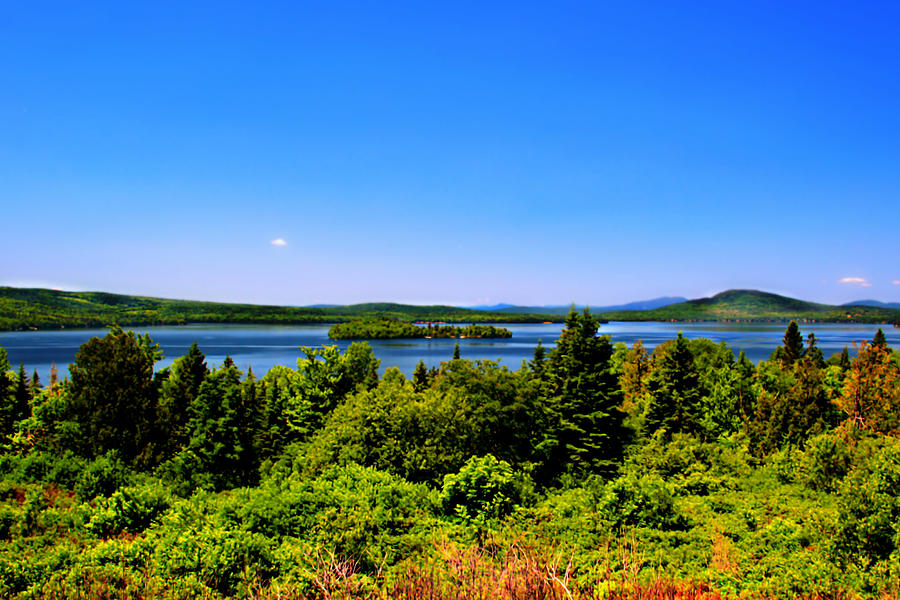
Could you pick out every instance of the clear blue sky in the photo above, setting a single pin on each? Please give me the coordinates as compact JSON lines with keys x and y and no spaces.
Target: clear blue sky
{"x":457,"y":152}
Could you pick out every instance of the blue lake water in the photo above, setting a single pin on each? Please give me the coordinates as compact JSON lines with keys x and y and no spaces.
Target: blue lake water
{"x":261,"y":346}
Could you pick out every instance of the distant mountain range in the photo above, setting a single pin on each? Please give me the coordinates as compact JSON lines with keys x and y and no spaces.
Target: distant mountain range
{"x":562,"y":309}
{"x":873,"y":303}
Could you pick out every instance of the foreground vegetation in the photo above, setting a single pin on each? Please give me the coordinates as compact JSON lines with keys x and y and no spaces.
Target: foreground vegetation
{"x":384,"y":328}
{"x":24,"y":308}
{"x":593,"y":471}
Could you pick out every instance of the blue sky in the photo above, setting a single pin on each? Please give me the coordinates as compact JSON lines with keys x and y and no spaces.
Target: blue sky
{"x":461,"y":152}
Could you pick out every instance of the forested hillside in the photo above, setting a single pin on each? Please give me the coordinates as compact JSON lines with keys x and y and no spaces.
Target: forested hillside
{"x":32,"y":308}
{"x":756,"y":306}
{"x":594,"y":470}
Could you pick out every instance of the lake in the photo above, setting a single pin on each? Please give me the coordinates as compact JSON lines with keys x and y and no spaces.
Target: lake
{"x":262,"y":346}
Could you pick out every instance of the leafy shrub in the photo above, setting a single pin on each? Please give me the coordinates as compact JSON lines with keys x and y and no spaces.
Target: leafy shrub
{"x":131,"y":510}
{"x":639,"y":501}
{"x":484,"y":489}
{"x":868,"y":520}
{"x":825,"y":462}
{"x":101,"y":477}
{"x":44,"y":467}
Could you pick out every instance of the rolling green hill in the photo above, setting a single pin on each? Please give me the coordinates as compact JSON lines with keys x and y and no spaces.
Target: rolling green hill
{"x":35,"y":308}
{"x":756,"y":306}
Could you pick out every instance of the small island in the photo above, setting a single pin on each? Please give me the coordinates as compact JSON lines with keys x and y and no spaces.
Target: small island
{"x":385,"y":328}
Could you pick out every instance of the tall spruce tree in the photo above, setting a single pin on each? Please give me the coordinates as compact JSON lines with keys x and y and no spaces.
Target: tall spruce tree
{"x":585,"y":397}
{"x":21,"y":406}
{"x":420,"y":377}
{"x":217,"y":455}
{"x":792,"y":345}
{"x":879,"y":341}
{"x":7,"y":385}
{"x":674,"y":391}
{"x":177,"y":391}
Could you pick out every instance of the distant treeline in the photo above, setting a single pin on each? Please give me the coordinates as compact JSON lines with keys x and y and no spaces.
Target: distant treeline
{"x":22,"y":308}
{"x":385,"y":328}
{"x":595,"y":470}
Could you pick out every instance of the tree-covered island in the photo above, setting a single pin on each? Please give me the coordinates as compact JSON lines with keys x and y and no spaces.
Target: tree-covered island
{"x":385,"y":328}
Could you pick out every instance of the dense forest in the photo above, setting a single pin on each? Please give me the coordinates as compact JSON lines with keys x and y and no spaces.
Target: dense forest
{"x":385,"y":328}
{"x":595,"y":470}
{"x":34,"y":308}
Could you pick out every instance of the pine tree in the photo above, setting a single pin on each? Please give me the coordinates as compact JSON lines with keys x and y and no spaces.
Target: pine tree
{"x":674,"y":391}
{"x":746,"y":398}
{"x":813,"y":352}
{"x":879,"y":341}
{"x":537,"y":362}
{"x":54,"y":375}
{"x":792,"y":345}
{"x":845,"y":360}
{"x":7,"y":383}
{"x":585,"y":397}
{"x":635,"y":371}
{"x":177,"y":391}
{"x":35,"y":385}
{"x":112,"y":396}
{"x":456,"y":351}
{"x":21,"y":407}
{"x":217,"y":456}
{"x":420,"y":377}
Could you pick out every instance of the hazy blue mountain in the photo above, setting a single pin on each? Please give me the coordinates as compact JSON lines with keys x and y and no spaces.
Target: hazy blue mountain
{"x":561,"y":309}
{"x":877,"y":303}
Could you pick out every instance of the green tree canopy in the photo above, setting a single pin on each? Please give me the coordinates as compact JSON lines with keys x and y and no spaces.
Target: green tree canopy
{"x":112,"y":396}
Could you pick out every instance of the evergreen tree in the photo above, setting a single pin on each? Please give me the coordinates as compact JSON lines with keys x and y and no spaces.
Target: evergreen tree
{"x":456,"y":351}
{"x":792,"y":345}
{"x":879,"y":341}
{"x":34,"y":385}
{"x":177,"y":392}
{"x":845,"y":360}
{"x":813,"y":352}
{"x":21,"y":406}
{"x":112,"y":398}
{"x":538,"y":361}
{"x":585,"y":397}
{"x":746,"y":396}
{"x":792,"y":405}
{"x":216,"y":456}
{"x":7,"y":396}
{"x":420,"y":377}
{"x":674,"y":392}
{"x":635,"y":372}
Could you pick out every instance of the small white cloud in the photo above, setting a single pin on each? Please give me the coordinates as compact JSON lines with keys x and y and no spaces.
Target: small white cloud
{"x":896,"y":282}
{"x":278,"y":242}
{"x":860,"y":281}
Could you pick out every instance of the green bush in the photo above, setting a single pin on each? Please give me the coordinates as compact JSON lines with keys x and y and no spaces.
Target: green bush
{"x":868,"y":520}
{"x":639,"y":501}
{"x":131,"y":510}
{"x":484,"y":489}
{"x":101,"y":477}
{"x":825,"y":461}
